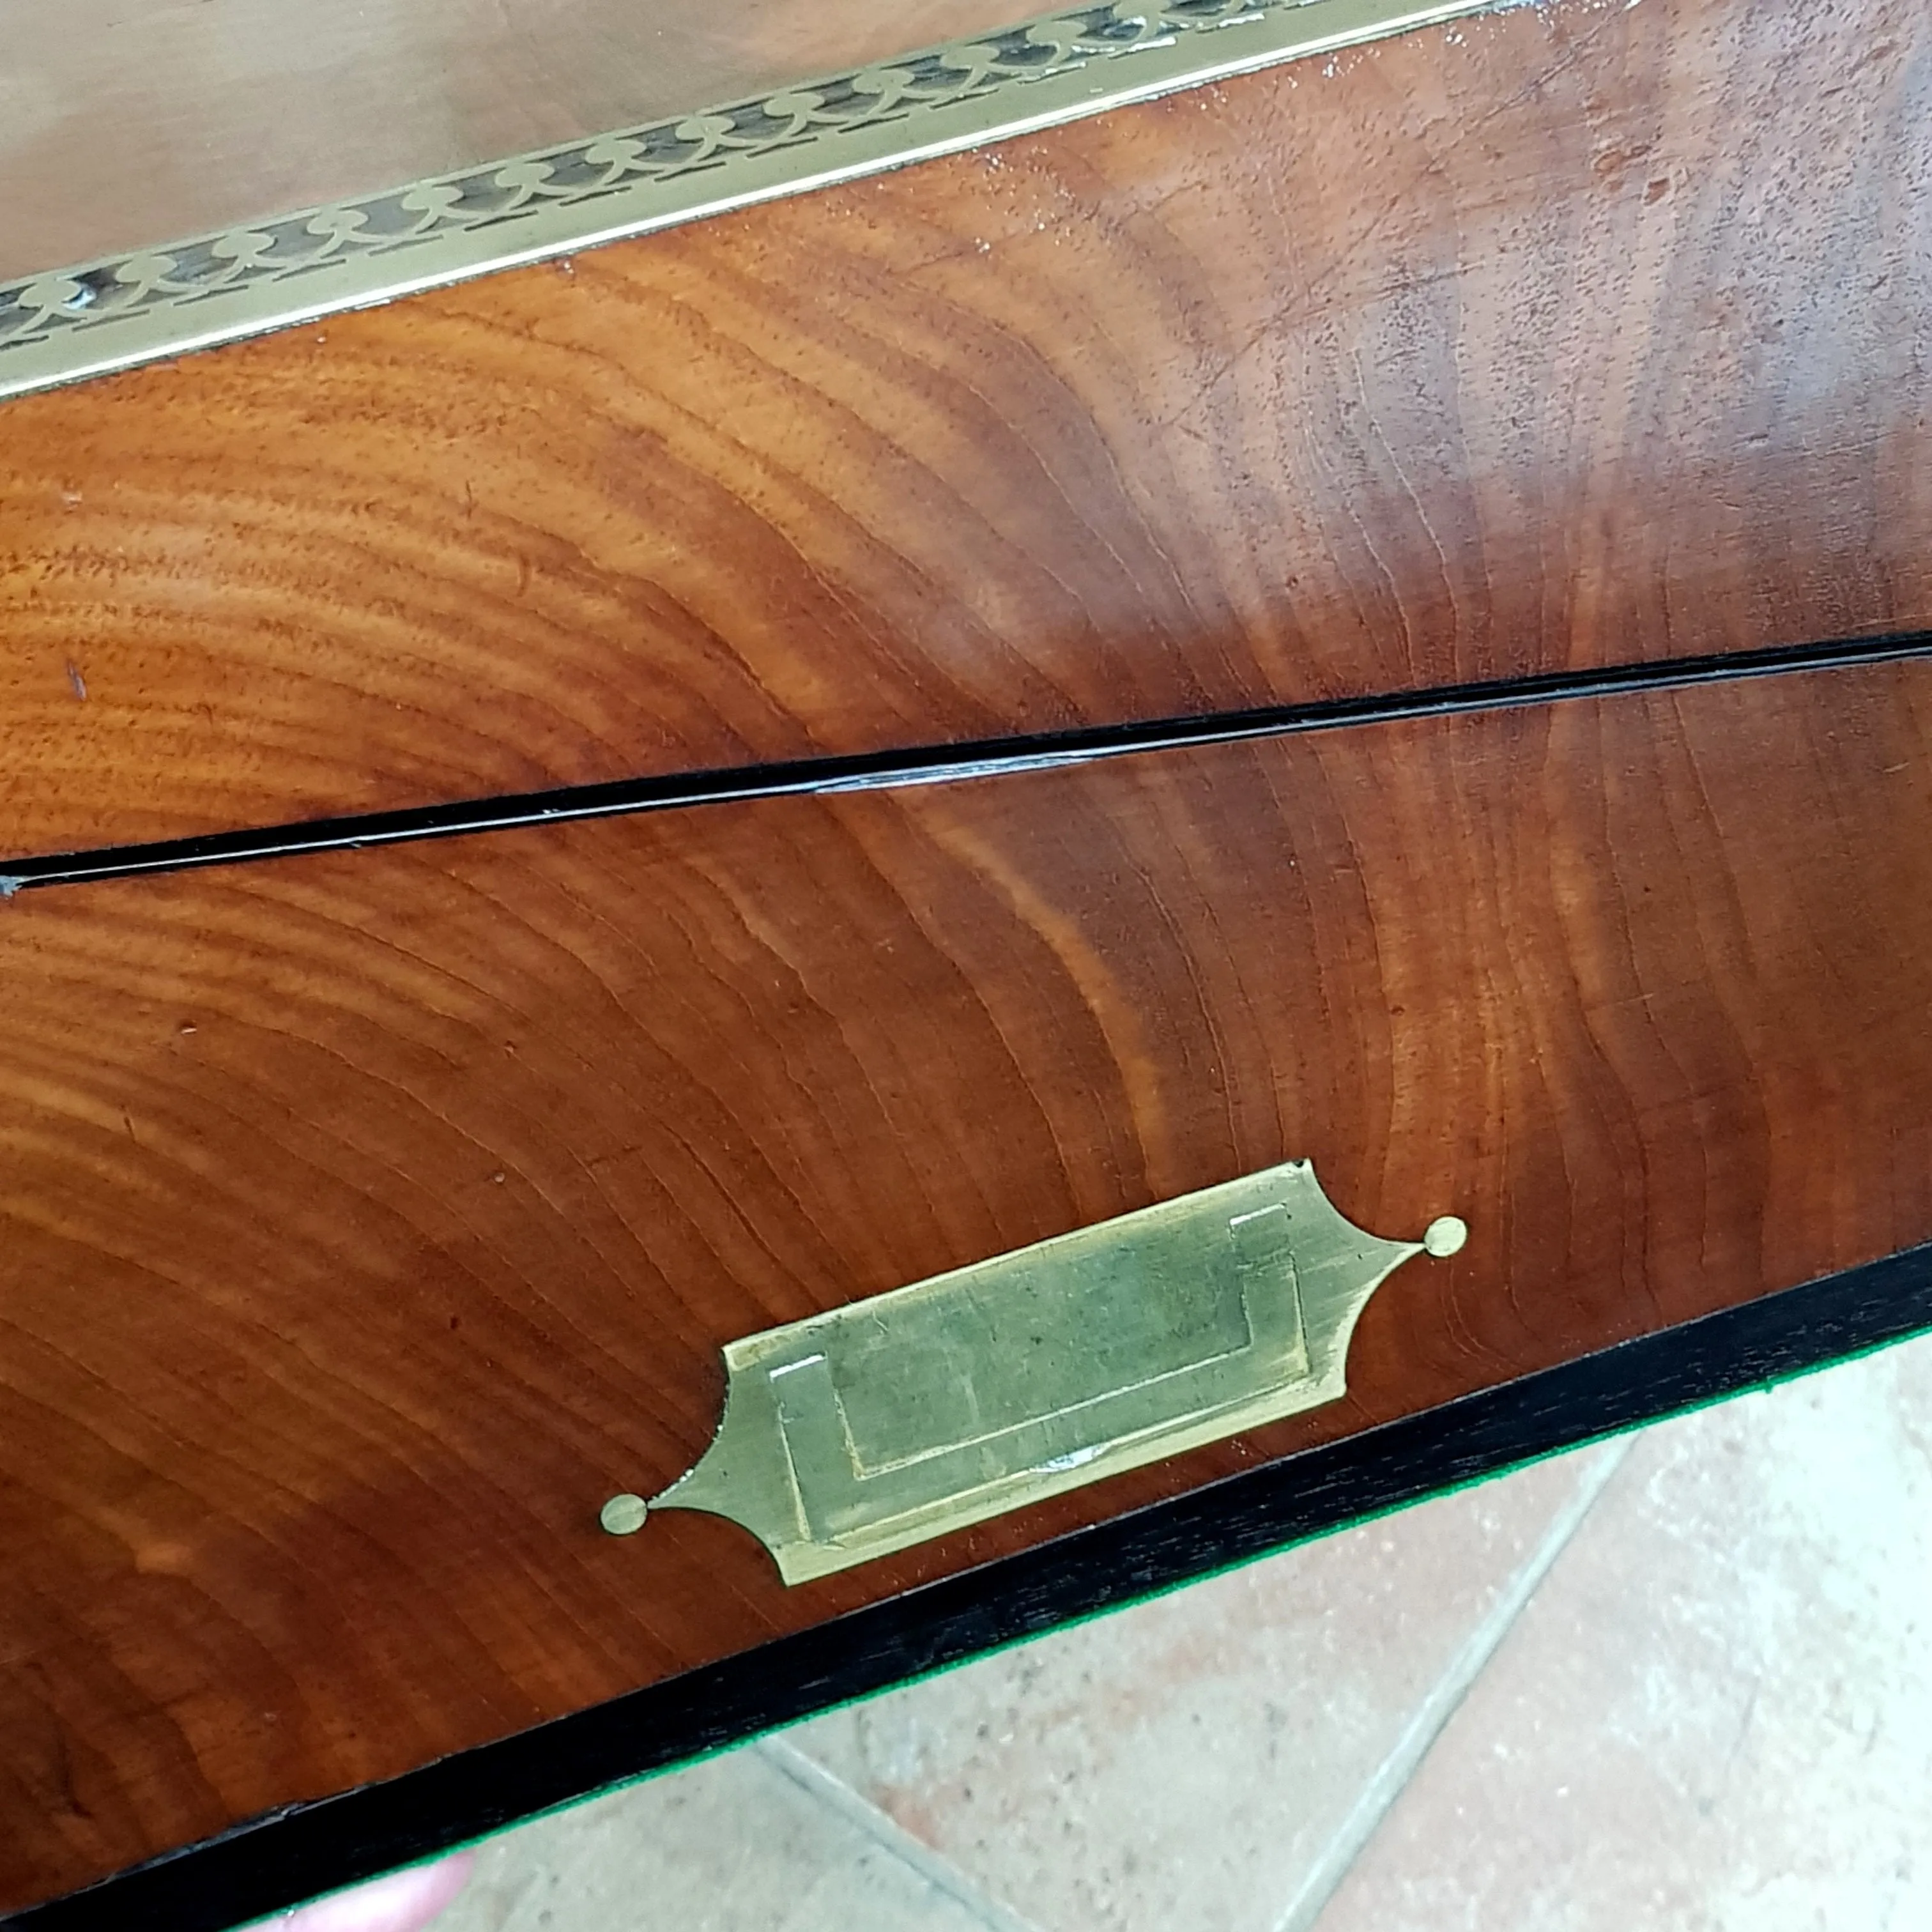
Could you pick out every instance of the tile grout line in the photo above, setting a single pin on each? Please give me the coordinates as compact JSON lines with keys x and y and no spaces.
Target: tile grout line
{"x":1432,"y":1717}
{"x":938,"y":1871}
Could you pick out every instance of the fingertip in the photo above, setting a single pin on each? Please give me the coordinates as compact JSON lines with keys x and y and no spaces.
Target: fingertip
{"x":404,"y":1901}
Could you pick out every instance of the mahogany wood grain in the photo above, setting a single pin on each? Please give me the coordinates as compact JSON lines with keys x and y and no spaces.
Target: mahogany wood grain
{"x":1576,"y":336}
{"x":125,"y":124}
{"x":369,"y":1218}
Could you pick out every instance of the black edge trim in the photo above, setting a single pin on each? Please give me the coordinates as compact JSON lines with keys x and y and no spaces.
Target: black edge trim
{"x":927,"y":764}
{"x":276,"y":1862}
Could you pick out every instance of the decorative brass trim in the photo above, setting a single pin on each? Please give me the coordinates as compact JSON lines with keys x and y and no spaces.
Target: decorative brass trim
{"x":66,"y":324}
{"x":900,"y":1417}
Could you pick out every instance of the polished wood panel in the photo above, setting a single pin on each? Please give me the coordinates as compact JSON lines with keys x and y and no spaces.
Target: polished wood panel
{"x":127,"y":123}
{"x":369,"y":1218}
{"x":1573,"y":336}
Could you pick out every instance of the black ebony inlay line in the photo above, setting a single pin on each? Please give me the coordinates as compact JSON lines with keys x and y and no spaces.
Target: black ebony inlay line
{"x":926,"y":764}
{"x":278,"y":1860}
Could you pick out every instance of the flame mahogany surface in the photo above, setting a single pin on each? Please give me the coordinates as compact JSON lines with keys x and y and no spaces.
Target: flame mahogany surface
{"x":1570,"y":336}
{"x":369,"y":1217}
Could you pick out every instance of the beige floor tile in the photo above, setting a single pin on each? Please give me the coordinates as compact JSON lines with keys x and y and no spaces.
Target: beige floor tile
{"x":1716,"y":1716}
{"x":1193,"y":1764}
{"x":731,"y":1845}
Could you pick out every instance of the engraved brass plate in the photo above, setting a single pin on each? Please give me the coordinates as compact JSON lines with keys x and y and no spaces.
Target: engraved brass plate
{"x":900,"y":1417}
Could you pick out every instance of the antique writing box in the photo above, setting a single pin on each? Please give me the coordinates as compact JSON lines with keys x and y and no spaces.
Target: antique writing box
{"x":1180,"y":788}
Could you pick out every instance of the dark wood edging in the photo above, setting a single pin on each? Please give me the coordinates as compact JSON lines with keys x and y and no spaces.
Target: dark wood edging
{"x":285,"y":1857}
{"x":931,"y":764}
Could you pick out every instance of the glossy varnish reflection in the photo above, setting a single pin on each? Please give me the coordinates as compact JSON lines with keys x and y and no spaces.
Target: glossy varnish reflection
{"x":370,"y":1218}
{"x":1569,"y":336}
{"x":129,"y":127}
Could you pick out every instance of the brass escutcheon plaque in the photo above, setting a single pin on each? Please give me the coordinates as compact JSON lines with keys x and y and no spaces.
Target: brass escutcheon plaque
{"x":900,"y":1417}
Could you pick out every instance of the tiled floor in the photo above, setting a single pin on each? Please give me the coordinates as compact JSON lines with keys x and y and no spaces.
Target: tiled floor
{"x":1682,"y":1682}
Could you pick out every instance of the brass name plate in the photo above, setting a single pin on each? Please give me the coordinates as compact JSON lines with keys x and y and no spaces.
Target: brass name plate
{"x":898,"y":1418}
